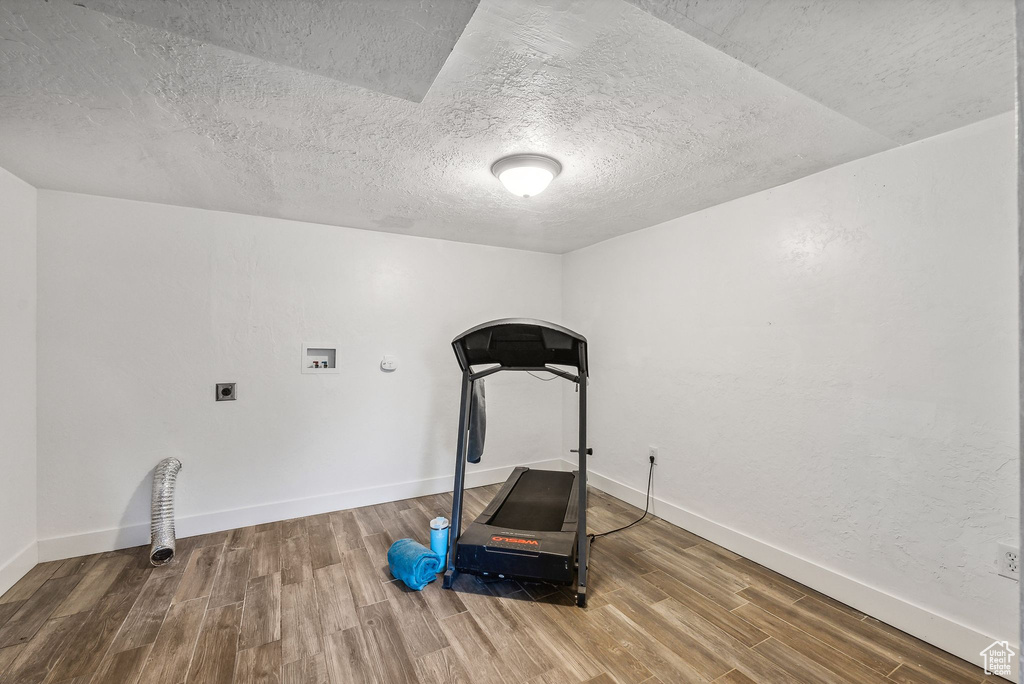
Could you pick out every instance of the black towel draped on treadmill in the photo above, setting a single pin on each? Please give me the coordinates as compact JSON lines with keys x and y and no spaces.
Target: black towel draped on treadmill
{"x":477,"y":423}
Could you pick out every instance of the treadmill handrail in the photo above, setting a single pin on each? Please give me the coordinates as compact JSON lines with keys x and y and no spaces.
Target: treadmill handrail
{"x":491,"y":370}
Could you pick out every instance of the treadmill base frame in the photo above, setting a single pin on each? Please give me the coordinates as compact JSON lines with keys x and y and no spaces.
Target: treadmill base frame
{"x":489,"y":551}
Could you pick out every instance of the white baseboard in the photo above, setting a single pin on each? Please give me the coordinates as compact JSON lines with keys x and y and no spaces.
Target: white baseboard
{"x":99,"y":541}
{"x":14,"y":569}
{"x":949,"y":635}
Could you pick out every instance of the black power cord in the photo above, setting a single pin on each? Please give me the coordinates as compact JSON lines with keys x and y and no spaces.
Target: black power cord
{"x":647,"y":506}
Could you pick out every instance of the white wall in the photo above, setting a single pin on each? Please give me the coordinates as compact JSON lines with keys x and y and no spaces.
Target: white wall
{"x":17,"y":378}
{"x":144,"y":307}
{"x":830,"y":371}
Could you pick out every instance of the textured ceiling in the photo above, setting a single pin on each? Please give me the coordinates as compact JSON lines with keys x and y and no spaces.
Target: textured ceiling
{"x":654,"y":110}
{"x":905,"y":68}
{"x":395,"y":47}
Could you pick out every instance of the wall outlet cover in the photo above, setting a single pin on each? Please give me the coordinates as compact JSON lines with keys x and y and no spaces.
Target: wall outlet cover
{"x":1009,"y":561}
{"x":225,"y":391}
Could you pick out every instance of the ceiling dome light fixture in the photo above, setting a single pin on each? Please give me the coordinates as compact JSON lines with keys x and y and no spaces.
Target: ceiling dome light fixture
{"x":526,"y":175}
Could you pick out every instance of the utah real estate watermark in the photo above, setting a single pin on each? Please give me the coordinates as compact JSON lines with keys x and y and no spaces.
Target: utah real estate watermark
{"x":998,"y":659}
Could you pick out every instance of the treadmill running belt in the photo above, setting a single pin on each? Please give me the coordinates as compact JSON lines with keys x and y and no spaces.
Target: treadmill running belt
{"x":537,"y":502}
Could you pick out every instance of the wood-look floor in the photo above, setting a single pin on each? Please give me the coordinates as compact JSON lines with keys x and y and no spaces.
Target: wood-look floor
{"x":311,"y":600}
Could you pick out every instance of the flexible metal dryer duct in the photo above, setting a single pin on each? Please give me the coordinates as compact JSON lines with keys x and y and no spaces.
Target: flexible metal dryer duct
{"x":161,"y":526}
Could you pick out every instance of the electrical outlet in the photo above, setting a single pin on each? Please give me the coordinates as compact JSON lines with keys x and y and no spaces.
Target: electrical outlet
{"x":225,"y":391}
{"x":1009,"y":561}
{"x":652,"y":454}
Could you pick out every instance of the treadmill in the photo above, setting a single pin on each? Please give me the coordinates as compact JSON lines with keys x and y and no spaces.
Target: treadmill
{"x":535,"y":527}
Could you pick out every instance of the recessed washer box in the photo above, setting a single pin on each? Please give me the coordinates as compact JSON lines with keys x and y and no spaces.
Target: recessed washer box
{"x":319,"y":359}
